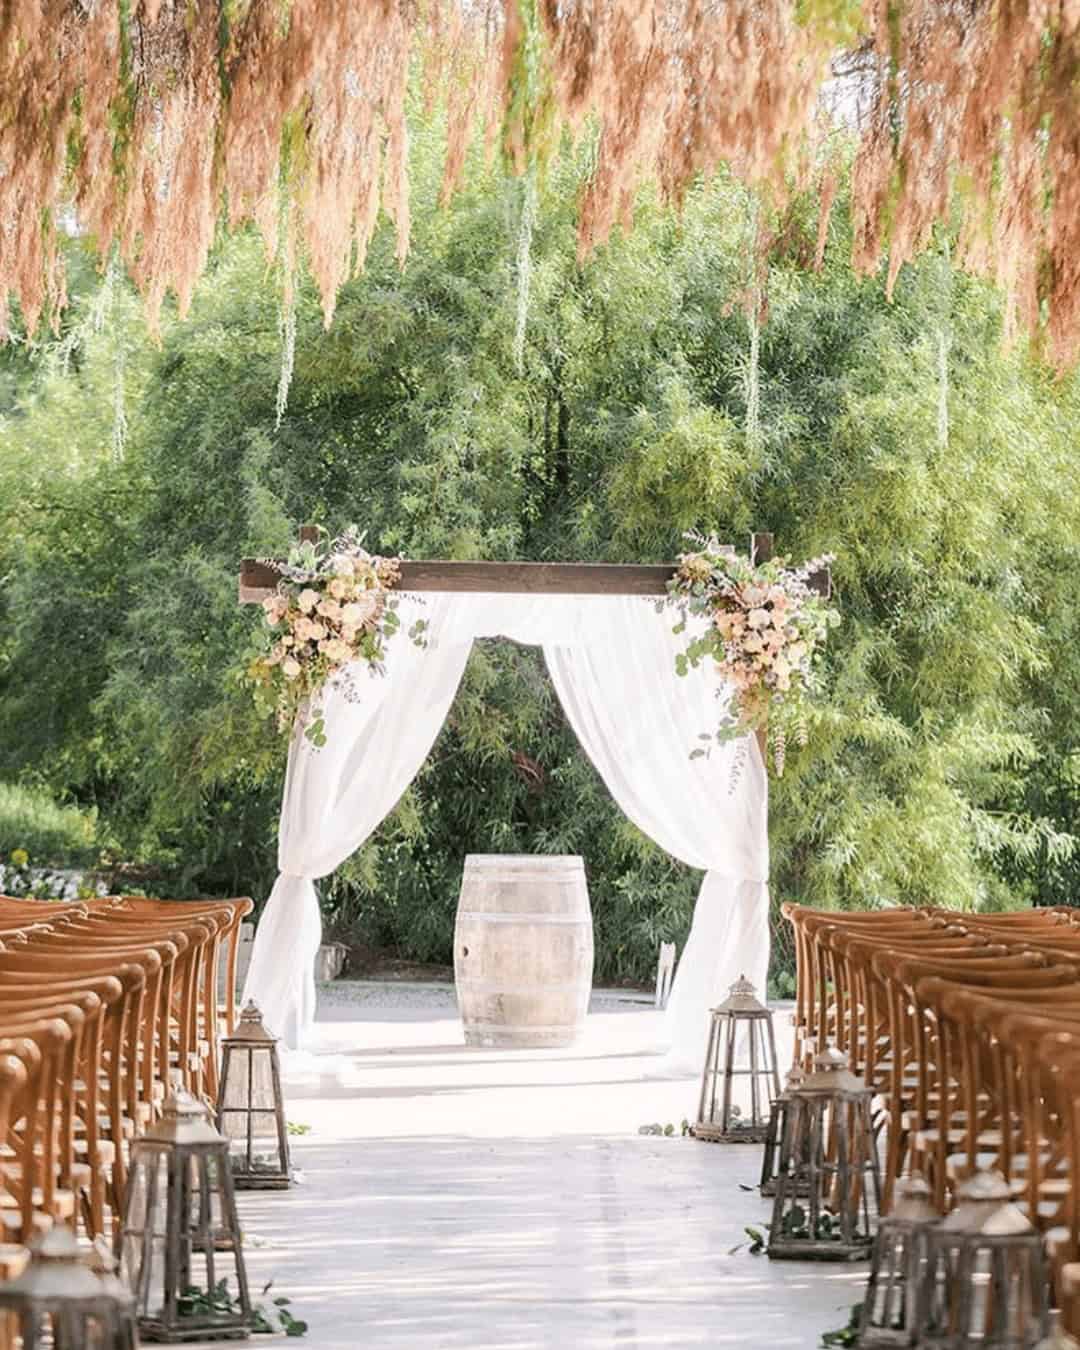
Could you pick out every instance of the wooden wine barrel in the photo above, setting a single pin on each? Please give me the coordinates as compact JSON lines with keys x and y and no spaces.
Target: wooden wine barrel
{"x":523,"y":950}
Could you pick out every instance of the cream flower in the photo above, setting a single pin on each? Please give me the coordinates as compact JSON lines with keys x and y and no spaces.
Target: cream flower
{"x":758,"y":618}
{"x":338,"y":588}
{"x":316,"y":632}
{"x":329,"y":609}
{"x":290,"y":668}
{"x":274,"y":607}
{"x":307,"y":599}
{"x":336,"y":650}
{"x":360,"y":610}
{"x":752,"y":643}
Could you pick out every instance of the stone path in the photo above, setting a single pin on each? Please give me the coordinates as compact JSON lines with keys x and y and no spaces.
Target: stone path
{"x":503,"y":1200}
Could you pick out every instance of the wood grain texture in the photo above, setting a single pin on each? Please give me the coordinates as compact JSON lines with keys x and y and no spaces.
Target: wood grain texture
{"x":258,"y":579}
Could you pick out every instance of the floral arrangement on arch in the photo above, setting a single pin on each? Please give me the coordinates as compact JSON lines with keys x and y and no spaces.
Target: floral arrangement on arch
{"x":766,"y":631}
{"x":334,"y":609}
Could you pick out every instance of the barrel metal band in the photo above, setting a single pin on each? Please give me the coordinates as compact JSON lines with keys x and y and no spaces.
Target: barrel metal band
{"x":484,"y":917}
{"x":565,"y":1029}
{"x":512,"y":990}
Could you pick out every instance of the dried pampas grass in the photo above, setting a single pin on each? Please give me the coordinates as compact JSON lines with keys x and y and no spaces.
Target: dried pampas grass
{"x":153,"y":118}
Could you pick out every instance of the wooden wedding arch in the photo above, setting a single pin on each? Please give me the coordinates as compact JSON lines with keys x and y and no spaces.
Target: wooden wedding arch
{"x":259,"y":578}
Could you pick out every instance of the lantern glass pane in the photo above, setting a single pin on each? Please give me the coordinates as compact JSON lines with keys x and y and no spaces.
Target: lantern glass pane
{"x":142,"y":1251}
{"x":248,"y":1115}
{"x":207,"y":1240}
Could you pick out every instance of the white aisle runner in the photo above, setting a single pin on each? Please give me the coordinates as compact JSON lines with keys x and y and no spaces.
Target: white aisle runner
{"x":460,"y":1199}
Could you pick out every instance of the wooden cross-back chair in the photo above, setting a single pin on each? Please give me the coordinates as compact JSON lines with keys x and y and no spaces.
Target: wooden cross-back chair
{"x":103,"y":1004}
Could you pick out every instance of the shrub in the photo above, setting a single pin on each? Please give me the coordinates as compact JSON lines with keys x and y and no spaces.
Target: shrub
{"x":50,"y":834}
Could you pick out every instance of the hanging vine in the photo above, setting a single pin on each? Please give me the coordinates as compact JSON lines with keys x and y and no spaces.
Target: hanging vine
{"x":524,"y":265}
{"x":944,"y":345}
{"x":754,"y":302}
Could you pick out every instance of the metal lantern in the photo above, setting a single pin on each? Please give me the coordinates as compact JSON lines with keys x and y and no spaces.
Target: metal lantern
{"x":741,"y":1045}
{"x":104,"y":1265}
{"x":1058,"y":1338}
{"x":986,"y":1280}
{"x":778,"y":1118}
{"x":828,"y":1173}
{"x":180,"y":1243}
{"x":60,"y":1302}
{"x":891,"y":1309}
{"x":251,"y":1110}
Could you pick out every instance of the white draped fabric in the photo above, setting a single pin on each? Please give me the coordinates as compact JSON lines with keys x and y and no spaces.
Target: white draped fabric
{"x":612,"y":662}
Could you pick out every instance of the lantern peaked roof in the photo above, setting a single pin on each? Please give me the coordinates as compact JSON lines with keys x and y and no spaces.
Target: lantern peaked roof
{"x":742,"y":998}
{"x":141,"y":122}
{"x":831,"y":1076}
{"x":1058,"y":1339}
{"x":184,"y":1121}
{"x":913,"y":1204}
{"x":250,"y":1030}
{"x":55,"y":1272}
{"x":984,"y":1205}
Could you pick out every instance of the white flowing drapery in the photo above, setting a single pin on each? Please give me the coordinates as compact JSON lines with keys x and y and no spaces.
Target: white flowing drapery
{"x":612,"y":662}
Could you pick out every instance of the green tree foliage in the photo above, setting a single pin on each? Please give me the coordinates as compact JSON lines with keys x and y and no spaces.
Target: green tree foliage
{"x":943,"y":766}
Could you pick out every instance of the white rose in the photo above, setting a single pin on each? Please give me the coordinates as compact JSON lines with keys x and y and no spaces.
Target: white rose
{"x":307,"y":599}
{"x":290,"y":668}
{"x":758,"y":618}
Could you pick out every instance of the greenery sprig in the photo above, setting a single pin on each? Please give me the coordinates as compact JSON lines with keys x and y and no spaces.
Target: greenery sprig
{"x":219,"y":1302}
{"x":765,"y":631}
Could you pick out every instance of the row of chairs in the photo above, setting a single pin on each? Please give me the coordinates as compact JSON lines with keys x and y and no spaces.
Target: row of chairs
{"x":104,"y":1005}
{"x":968,"y":1029}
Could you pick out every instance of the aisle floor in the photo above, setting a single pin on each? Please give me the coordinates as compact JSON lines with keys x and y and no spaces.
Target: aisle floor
{"x":504,"y":1200}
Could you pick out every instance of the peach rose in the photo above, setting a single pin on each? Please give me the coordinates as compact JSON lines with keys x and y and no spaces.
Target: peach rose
{"x":329,"y":609}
